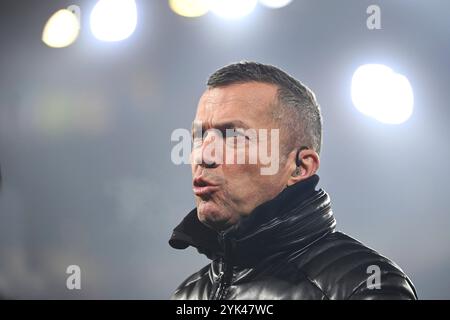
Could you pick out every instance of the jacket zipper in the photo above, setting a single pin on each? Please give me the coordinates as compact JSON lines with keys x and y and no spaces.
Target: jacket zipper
{"x":220,"y":288}
{"x":225,"y":268}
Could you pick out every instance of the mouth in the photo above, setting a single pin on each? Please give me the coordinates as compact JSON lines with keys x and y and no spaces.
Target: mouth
{"x":203,"y":187}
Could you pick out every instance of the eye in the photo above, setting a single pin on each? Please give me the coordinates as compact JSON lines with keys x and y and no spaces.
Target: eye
{"x":232,"y":137}
{"x":237,"y":133}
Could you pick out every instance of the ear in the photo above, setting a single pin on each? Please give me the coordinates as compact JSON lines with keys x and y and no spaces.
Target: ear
{"x":309,"y":164}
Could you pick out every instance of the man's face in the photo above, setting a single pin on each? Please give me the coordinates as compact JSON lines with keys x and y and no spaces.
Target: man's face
{"x":227,"y":191}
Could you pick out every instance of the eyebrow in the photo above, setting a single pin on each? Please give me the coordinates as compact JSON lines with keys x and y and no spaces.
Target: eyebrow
{"x":223,"y":125}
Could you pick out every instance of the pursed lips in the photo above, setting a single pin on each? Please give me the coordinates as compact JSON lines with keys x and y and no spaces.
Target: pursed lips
{"x":203,"y":187}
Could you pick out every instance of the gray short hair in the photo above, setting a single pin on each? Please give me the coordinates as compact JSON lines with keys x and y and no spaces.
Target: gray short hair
{"x":300,"y":112}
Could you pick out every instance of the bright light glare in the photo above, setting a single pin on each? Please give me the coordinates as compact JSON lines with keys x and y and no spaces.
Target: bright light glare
{"x":61,"y":30}
{"x":232,"y":9}
{"x":189,"y":8}
{"x":275,"y":4}
{"x":378,"y":92}
{"x":113,"y":20}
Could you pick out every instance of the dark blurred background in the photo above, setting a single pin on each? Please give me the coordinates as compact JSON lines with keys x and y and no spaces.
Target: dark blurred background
{"x":85,"y":139}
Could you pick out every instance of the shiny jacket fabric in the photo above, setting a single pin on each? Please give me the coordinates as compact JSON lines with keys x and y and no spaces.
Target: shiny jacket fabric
{"x":287,"y":248}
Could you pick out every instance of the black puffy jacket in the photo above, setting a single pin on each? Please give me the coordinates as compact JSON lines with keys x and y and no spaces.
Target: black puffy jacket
{"x":287,"y":248}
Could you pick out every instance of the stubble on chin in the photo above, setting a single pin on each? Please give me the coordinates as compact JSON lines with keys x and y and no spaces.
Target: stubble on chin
{"x":213,"y":215}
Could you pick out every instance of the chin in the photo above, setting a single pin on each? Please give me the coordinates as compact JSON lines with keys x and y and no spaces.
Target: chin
{"x":213,"y":216}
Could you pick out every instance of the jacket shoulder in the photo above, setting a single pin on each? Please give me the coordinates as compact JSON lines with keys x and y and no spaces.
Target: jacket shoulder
{"x":344,"y":268}
{"x":187,"y":289}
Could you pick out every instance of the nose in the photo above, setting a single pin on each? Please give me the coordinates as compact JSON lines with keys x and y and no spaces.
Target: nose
{"x":209,"y":154}
{"x":209,"y":165}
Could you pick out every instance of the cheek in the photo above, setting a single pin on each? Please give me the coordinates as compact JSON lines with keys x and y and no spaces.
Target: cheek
{"x":244,"y":183}
{"x":236,"y":173}
{"x":247,"y":179}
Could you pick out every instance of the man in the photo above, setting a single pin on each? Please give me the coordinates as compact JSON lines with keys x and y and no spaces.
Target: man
{"x":270,"y":236}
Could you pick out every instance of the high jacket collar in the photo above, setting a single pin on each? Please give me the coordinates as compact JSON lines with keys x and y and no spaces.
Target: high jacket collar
{"x":295,"y":218}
